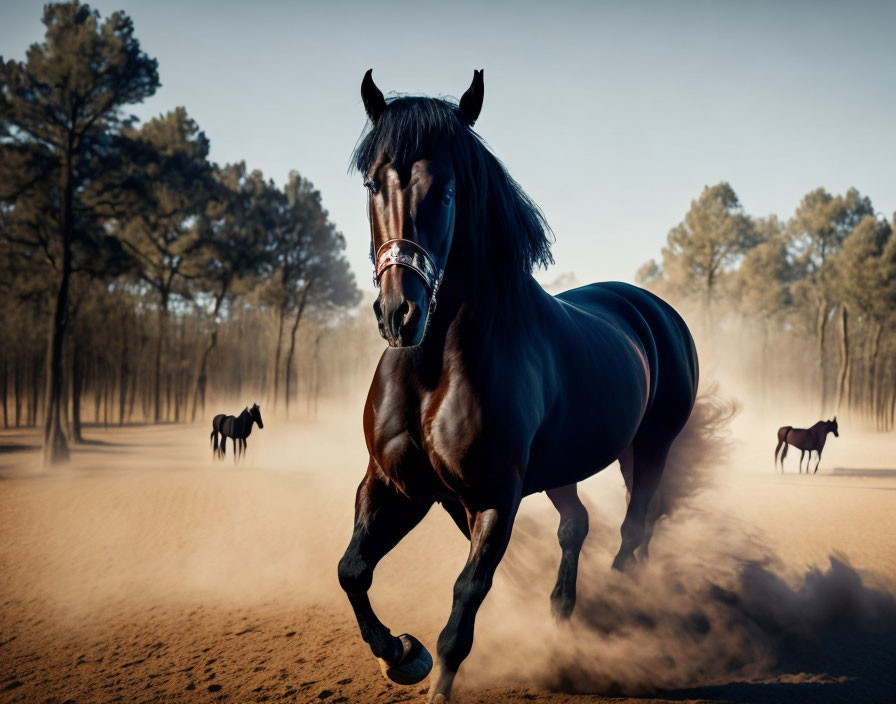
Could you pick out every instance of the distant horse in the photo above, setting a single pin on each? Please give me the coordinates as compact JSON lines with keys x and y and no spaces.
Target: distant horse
{"x":501,"y":390}
{"x":806,"y":440}
{"x":236,"y":427}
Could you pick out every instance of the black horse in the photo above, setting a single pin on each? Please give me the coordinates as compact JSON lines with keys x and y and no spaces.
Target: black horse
{"x":805,"y":439}
{"x":236,"y":427}
{"x":501,"y":390}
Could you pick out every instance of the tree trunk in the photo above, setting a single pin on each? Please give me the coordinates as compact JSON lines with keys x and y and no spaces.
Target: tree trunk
{"x":202,"y":376}
{"x":97,"y":401}
{"x":37,"y":388}
{"x":843,"y":372}
{"x":17,"y":390}
{"x":820,"y":325}
{"x":890,"y":420}
{"x":278,"y":351}
{"x":314,"y":392}
{"x":163,"y":326}
{"x":292,"y":342}
{"x":4,"y":389}
{"x":123,"y":378}
{"x":76,"y":393}
{"x":55,"y":445}
{"x":871,"y":383}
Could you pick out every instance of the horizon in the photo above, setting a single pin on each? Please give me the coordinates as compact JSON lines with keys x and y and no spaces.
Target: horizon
{"x":629,"y":111}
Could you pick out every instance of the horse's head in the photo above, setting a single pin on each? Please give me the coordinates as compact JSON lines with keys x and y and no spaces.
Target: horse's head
{"x":411,"y":194}
{"x":255,"y":413}
{"x":832,"y":427}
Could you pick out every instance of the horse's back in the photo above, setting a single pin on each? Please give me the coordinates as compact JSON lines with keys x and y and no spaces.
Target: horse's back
{"x":225,"y":426}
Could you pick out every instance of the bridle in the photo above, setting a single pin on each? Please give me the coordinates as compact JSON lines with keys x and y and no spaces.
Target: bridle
{"x":410,"y":255}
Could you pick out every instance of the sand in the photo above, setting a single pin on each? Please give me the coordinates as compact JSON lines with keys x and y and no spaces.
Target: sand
{"x":145,"y":572}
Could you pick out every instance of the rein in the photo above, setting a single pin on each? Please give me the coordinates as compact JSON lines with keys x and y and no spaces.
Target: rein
{"x":410,"y":255}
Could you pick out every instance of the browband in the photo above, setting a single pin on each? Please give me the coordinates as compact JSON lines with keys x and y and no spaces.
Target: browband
{"x":402,"y":252}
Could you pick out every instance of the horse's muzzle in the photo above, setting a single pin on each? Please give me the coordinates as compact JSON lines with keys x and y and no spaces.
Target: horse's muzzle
{"x":400,"y":322}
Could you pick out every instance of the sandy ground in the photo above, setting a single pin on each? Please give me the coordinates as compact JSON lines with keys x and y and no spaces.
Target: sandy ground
{"x":144,"y":572}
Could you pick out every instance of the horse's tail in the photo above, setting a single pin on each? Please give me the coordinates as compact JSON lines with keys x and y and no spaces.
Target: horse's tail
{"x":213,"y":438}
{"x":782,"y":440}
{"x":702,"y":445}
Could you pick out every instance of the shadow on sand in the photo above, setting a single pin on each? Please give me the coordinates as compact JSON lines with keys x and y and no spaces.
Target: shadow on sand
{"x":856,"y":667}
{"x":859,"y":472}
{"x":17,"y":447}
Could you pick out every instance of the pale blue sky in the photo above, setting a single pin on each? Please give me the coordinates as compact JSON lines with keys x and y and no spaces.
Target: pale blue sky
{"x":613,"y":116}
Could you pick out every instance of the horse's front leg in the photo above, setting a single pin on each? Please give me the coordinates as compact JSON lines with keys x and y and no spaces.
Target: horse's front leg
{"x":489,"y":534}
{"x":383,"y":517}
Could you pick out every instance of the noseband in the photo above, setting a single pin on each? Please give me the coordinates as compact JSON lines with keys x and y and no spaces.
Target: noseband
{"x":410,"y":255}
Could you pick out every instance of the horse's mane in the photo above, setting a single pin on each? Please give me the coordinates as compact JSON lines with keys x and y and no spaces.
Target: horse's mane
{"x":506,"y":229}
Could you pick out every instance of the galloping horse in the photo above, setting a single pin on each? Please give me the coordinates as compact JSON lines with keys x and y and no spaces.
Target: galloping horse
{"x":804,"y":439}
{"x":501,"y":390}
{"x":236,"y":427}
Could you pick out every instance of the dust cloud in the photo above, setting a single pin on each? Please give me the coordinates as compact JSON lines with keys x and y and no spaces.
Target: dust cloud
{"x":715,"y":604}
{"x":144,"y":540}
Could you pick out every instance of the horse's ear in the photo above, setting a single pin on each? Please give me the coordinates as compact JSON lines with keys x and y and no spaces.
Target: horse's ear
{"x":471,"y":101}
{"x":374,"y":102}
{"x":835,"y":419}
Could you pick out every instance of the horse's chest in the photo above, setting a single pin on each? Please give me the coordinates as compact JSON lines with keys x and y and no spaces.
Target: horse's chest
{"x":451,"y":427}
{"x":425,"y":442}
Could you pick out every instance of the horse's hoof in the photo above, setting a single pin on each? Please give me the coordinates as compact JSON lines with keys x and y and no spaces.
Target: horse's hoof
{"x":439,"y":699}
{"x":413,"y":667}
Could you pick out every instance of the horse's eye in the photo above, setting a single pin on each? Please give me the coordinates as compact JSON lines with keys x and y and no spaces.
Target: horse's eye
{"x":447,"y":195}
{"x":370,"y":185}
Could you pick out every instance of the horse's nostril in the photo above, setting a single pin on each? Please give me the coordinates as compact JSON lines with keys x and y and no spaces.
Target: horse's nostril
{"x":410,"y":316}
{"x":398,"y":317}
{"x":378,"y":309}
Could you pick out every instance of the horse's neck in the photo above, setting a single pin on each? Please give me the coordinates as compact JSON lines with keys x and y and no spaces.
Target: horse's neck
{"x":471,"y":319}
{"x":487,"y":304}
{"x":820,"y":430}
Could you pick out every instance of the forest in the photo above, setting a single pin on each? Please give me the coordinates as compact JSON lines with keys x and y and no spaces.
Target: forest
{"x":803,"y":308}
{"x":139,"y":276}
{"x":141,"y":280}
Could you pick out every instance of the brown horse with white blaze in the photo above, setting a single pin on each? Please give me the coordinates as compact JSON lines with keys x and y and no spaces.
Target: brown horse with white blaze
{"x":805,"y":440}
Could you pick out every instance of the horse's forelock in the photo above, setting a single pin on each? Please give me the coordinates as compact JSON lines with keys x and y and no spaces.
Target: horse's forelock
{"x":508,"y":228}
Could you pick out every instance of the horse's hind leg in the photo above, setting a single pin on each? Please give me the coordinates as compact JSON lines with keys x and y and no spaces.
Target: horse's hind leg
{"x":777,"y":450}
{"x":383,"y":517}
{"x":648,"y":461}
{"x":783,"y":455}
{"x":656,"y":507}
{"x":571,"y":534}
{"x":803,"y":454}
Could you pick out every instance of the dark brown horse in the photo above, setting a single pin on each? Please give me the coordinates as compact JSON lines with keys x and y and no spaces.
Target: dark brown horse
{"x":806,"y":440}
{"x":236,"y":427}
{"x":501,"y":390}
